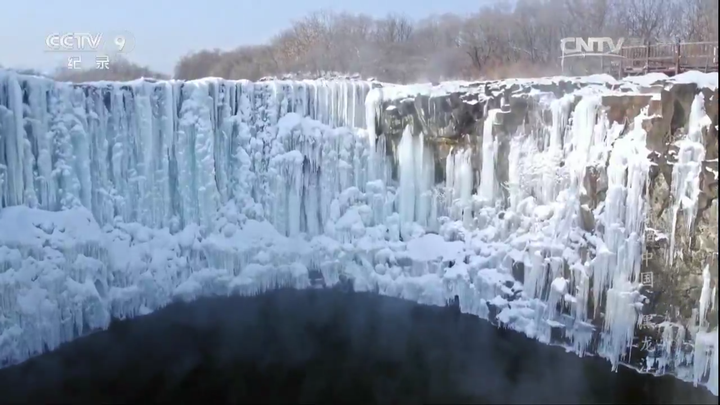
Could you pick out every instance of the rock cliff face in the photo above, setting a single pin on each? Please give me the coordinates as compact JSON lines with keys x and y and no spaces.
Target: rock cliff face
{"x":579,"y":211}
{"x":642,"y":160}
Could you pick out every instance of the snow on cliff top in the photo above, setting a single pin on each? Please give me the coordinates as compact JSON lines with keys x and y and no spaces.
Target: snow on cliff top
{"x":709,"y":80}
{"x":391,"y":91}
{"x":394,"y":92}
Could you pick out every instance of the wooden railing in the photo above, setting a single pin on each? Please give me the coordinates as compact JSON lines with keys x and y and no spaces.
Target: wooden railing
{"x":670,"y":59}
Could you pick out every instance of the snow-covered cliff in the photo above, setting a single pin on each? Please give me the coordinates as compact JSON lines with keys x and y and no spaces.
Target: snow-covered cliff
{"x":529,"y":202}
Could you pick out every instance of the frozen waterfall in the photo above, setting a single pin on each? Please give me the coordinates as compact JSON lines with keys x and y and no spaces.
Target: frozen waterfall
{"x":117,"y":198}
{"x":171,"y":152}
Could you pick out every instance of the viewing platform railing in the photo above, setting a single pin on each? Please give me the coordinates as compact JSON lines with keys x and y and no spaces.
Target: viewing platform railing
{"x":670,"y":59}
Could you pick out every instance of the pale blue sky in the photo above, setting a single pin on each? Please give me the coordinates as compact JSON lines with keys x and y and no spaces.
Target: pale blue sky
{"x":164,"y":30}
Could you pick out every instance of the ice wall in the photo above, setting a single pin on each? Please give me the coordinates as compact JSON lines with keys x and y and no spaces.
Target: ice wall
{"x":162,"y":153}
{"x":566,"y":185}
{"x":116,"y":198}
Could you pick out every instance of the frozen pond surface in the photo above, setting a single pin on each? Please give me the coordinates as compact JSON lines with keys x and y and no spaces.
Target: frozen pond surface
{"x":323,"y":346}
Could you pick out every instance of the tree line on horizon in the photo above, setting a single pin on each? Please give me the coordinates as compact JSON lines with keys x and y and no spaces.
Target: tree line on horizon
{"x":505,"y":39}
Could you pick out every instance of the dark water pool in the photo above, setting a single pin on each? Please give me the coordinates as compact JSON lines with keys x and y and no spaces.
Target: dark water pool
{"x":323,"y":346}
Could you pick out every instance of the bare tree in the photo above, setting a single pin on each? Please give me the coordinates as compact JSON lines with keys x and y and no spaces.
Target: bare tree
{"x":647,"y":20}
{"x":197,"y":65}
{"x":486,"y":38}
{"x":698,"y":20}
{"x":393,"y":29}
{"x":437,"y":41}
{"x":508,"y":38}
{"x":590,"y":17}
{"x":246,"y":62}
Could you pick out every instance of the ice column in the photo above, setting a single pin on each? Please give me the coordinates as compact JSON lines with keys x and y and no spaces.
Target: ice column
{"x":705,"y":355}
{"x":425,"y":176}
{"x":11,"y":123}
{"x":687,"y":169}
{"x":515,"y":172}
{"x":459,"y":182}
{"x":579,"y":141}
{"x":619,"y":265}
{"x":148,"y":152}
{"x":373,"y":102}
{"x":554,"y":153}
{"x":407,"y":168}
{"x":488,"y":186}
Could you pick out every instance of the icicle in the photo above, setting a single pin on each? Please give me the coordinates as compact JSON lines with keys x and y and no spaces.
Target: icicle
{"x":373,"y":103}
{"x":488,"y":184}
{"x":407,"y":168}
{"x":624,"y":238}
{"x":554,"y":154}
{"x":213,"y":187}
{"x":450,"y":178}
{"x":686,"y":171}
{"x":514,"y":173}
{"x":14,"y":136}
{"x":579,"y":148}
{"x":463,"y":183}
